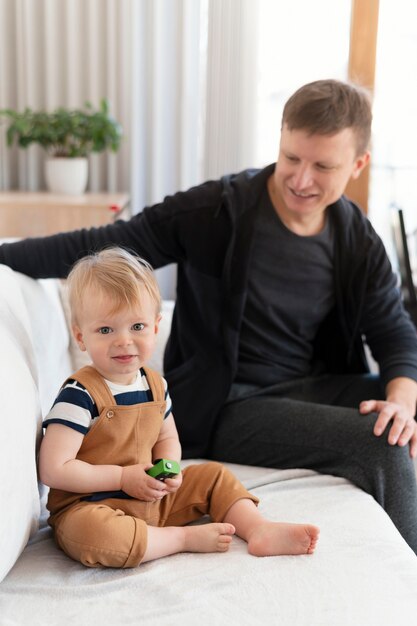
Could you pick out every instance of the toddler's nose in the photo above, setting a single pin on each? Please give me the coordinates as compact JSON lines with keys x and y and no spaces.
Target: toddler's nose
{"x":123,"y":339}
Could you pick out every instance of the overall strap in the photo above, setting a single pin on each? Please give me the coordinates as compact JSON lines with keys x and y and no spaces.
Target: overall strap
{"x":96,"y":386}
{"x":155,"y":383}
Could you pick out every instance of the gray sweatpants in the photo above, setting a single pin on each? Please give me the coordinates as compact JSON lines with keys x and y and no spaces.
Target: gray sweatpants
{"x":314,"y":423}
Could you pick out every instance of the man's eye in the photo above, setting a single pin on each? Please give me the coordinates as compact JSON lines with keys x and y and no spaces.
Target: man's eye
{"x":138,"y":326}
{"x":104,"y":330}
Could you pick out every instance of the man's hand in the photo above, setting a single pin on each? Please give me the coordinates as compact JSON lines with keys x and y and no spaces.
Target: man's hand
{"x":403,"y":428}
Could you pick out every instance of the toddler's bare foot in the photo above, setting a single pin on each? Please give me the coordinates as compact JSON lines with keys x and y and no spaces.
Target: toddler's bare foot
{"x":279,"y":538}
{"x":214,"y":537}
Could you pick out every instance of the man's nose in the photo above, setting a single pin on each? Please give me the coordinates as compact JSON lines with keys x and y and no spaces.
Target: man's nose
{"x":302,"y":177}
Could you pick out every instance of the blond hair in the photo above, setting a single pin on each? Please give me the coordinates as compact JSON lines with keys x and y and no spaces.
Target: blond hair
{"x":117,"y":274}
{"x":326,"y":107}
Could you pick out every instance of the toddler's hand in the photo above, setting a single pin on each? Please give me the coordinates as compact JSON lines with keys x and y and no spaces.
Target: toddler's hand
{"x":138,"y":484}
{"x":173,"y":484}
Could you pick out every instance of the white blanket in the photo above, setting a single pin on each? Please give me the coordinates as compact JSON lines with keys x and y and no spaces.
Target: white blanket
{"x":362,"y":574}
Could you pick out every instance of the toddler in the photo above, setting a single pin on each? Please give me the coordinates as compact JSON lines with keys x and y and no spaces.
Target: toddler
{"x":113,"y":420}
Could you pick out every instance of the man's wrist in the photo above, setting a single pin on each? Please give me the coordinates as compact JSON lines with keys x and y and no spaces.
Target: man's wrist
{"x":403,"y":391}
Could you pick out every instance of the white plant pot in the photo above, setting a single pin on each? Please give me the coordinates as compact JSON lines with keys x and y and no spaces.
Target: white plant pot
{"x":65,"y":175}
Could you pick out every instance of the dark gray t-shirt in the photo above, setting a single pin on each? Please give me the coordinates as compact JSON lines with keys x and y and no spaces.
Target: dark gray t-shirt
{"x":290,"y":292}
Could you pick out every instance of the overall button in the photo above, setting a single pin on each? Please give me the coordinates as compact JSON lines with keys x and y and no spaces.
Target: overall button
{"x":109,"y":414}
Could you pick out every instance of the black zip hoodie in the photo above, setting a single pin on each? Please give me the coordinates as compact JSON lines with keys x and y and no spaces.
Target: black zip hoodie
{"x":207,"y":231}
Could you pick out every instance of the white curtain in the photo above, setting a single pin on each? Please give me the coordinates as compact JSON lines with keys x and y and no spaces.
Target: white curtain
{"x":178,"y":75}
{"x":165,"y":97}
{"x":143,"y":55}
{"x":231,"y":86}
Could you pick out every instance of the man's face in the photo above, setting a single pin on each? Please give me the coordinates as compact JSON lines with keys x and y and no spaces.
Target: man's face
{"x":312,"y":171}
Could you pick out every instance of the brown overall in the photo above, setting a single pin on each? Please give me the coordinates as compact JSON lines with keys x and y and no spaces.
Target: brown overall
{"x":113,"y":532}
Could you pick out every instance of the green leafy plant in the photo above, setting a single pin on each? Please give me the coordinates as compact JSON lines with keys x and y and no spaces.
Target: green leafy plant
{"x":64,"y":132}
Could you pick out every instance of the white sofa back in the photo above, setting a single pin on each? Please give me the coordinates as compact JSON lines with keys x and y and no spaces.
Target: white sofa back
{"x":31,"y":325}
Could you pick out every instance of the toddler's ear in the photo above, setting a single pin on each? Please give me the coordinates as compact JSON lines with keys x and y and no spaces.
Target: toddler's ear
{"x":78,"y":336}
{"x":158,"y":319}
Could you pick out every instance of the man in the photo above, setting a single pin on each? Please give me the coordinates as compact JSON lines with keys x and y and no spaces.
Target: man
{"x":280,"y":278}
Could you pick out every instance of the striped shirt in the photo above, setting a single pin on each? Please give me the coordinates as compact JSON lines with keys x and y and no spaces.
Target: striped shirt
{"x":74,"y":406}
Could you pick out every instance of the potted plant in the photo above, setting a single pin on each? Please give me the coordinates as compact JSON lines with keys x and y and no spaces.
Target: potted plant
{"x":68,"y":136}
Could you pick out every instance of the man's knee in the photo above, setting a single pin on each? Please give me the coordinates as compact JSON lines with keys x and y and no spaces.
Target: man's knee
{"x":379,"y":453}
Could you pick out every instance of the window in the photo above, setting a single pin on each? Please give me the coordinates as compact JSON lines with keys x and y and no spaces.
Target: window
{"x":394,"y":153}
{"x":302,"y":42}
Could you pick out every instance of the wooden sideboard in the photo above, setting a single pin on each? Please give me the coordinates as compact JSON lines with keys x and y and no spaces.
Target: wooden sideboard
{"x":35,"y":214}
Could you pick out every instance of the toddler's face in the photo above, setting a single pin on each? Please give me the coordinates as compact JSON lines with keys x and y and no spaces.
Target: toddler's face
{"x":118,"y":343}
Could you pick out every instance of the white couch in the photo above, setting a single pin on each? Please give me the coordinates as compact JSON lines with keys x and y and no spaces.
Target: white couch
{"x":362,"y":574}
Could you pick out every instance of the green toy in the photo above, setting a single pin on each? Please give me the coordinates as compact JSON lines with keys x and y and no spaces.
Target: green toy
{"x":164,"y":468}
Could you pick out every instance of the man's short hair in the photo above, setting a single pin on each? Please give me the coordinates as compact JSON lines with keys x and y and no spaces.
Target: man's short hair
{"x":119,"y":275}
{"x":326,"y":107}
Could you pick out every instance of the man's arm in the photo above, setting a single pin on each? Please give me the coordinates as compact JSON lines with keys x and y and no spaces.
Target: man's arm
{"x":392,"y":338}
{"x":160,"y":234}
{"x":53,"y":256}
{"x":388,"y":329}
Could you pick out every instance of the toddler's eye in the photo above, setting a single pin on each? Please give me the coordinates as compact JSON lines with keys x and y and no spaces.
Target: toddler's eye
{"x":104,"y":330}
{"x":138,"y":326}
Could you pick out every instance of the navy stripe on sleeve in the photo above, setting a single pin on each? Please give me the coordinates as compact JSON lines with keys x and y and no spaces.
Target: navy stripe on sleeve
{"x":81,"y":429}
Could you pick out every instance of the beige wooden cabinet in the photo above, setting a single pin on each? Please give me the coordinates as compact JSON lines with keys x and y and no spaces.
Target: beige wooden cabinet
{"x":26,"y":214}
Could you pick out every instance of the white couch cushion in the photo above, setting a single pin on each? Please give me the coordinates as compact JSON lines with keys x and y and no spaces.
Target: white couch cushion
{"x":50,"y":335}
{"x":20,"y":427}
{"x":157,"y":359}
{"x":34,"y":361}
